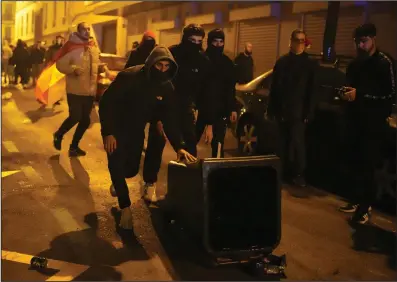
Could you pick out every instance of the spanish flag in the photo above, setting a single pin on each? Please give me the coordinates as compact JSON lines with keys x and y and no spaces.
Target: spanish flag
{"x":50,"y":85}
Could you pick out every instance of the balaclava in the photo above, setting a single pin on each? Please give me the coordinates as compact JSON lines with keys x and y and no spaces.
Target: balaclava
{"x":148,"y":41}
{"x":191,"y":30}
{"x":215,"y":51}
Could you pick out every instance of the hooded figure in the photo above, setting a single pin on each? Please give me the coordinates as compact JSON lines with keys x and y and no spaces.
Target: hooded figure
{"x":220,"y":92}
{"x":139,"y":94}
{"x":139,"y":55}
{"x":190,"y":83}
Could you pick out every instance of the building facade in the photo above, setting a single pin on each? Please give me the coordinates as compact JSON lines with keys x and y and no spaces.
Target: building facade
{"x":267,"y":25}
{"x":8,"y":21}
{"x":44,"y":20}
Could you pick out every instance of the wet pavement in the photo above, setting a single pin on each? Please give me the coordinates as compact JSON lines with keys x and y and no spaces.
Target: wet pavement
{"x":61,"y":209}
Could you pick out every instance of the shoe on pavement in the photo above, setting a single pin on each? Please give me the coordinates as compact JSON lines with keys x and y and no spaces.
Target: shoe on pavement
{"x":150,"y":193}
{"x":361,"y":217}
{"x":57,"y":142}
{"x":112,"y":191}
{"x":126,"y":219}
{"x":76,"y":152}
{"x":351,"y":208}
{"x":299,"y":181}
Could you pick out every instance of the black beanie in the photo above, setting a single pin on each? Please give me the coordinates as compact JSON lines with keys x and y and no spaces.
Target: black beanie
{"x":215,"y":34}
{"x":363,"y":30}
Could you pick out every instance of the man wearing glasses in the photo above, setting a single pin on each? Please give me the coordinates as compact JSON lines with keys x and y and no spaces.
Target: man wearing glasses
{"x":190,"y":83}
{"x":290,"y":105}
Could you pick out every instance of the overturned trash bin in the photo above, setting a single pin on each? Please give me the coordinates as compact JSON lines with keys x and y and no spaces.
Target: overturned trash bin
{"x":233,"y":205}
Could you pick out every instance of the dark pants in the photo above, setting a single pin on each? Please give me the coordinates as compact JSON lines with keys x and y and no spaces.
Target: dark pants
{"x":292,"y":150}
{"x":367,"y":153}
{"x":80,"y":108}
{"x":36,"y":71}
{"x":23,"y":73}
{"x":124,"y":163}
{"x":218,"y":132}
{"x":156,"y":143}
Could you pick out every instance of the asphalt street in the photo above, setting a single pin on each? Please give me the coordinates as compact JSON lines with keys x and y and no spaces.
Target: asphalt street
{"x":60,"y":208}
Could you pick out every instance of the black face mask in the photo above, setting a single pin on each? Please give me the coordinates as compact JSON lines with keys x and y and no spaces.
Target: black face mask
{"x":192,"y":47}
{"x":147,"y":45}
{"x":159,"y":76}
{"x":215,"y":51}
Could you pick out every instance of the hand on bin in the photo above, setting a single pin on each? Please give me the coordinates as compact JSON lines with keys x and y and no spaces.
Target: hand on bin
{"x":185,"y":155}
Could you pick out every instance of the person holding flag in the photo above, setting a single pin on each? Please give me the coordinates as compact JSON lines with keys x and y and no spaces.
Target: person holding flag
{"x":78,"y":61}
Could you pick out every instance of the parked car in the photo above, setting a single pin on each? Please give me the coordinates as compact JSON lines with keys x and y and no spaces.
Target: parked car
{"x":253,"y":97}
{"x":109,"y":67}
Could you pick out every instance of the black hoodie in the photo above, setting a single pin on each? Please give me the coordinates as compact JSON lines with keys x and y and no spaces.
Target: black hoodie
{"x":135,"y":98}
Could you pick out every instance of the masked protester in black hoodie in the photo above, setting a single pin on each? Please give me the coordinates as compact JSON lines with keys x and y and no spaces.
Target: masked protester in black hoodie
{"x":139,"y":55}
{"x":138,"y":95}
{"x":290,"y":103}
{"x":220,"y":91}
{"x":190,"y":83}
{"x":370,"y":95}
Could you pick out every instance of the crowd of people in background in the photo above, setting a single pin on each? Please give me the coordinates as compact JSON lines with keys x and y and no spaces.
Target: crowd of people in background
{"x":21,"y":64}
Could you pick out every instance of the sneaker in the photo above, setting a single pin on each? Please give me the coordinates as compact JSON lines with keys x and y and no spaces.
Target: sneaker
{"x":76,"y":152}
{"x":350,"y":208}
{"x":57,"y":142}
{"x":299,"y":181}
{"x":361,"y":218}
{"x":112,"y":191}
{"x":150,"y":193}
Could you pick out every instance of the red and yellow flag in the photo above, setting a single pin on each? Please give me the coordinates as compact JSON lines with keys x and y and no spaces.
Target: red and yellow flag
{"x":50,"y":85}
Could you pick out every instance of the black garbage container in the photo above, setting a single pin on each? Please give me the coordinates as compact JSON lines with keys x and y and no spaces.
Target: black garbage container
{"x":233,"y":205}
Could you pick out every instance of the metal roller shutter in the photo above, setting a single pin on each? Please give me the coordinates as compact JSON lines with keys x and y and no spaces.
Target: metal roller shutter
{"x":170,"y":37}
{"x":263,"y":34}
{"x":386,"y":31}
{"x":314,"y":26}
{"x":286,"y":28}
{"x":348,"y":20}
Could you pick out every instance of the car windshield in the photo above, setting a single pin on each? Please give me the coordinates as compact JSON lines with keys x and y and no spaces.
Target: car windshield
{"x":114,"y":63}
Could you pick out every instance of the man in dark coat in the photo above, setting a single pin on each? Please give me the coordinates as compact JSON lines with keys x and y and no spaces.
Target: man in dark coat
{"x":290,"y":103}
{"x":37,"y":53}
{"x":190,"y":83}
{"x":220,"y":93}
{"x":371,"y":93}
{"x":138,"y":95}
{"x":53,"y":49}
{"x":245,"y":65}
{"x":139,"y":55}
{"x":21,"y":60}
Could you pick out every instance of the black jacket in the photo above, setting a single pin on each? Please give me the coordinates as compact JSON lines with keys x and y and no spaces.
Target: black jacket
{"x":244,"y":68}
{"x":220,"y":92}
{"x":291,"y":92}
{"x":375,"y":83}
{"x":134,"y":99}
{"x":137,"y":57}
{"x":192,"y":78}
{"x":37,"y":55}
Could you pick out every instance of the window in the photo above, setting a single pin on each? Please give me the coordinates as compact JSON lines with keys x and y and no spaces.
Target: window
{"x":8,"y":33}
{"x":33,"y":19}
{"x":21,"y":26}
{"x":54,"y":19}
{"x":7,"y":13}
{"x":26,"y":24}
{"x":45,"y":15}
